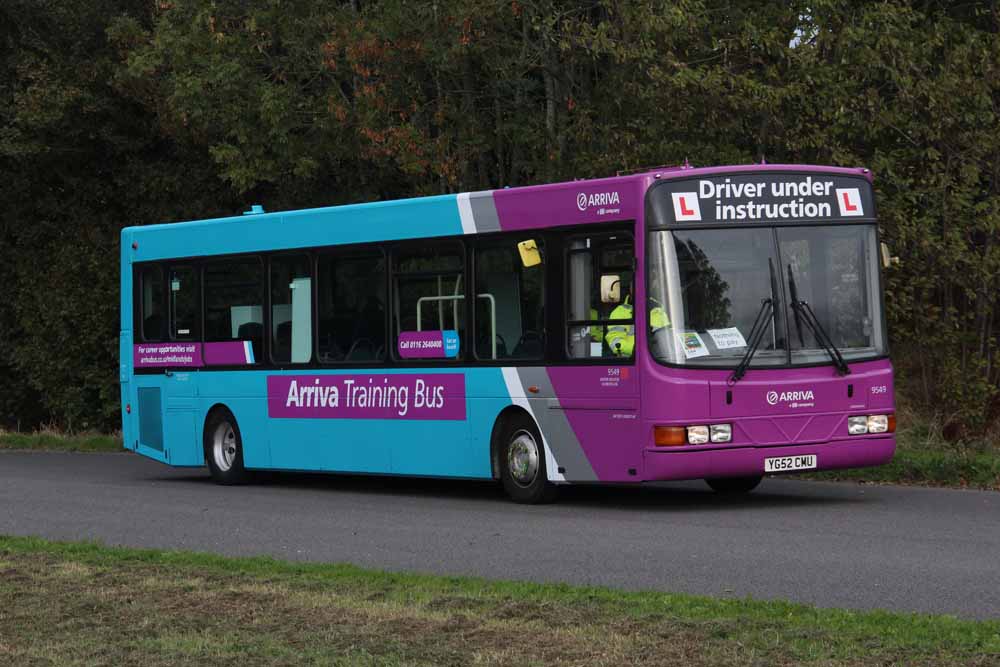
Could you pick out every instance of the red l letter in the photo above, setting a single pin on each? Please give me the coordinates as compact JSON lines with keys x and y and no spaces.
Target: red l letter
{"x":847,"y":203}
{"x":685,"y":210}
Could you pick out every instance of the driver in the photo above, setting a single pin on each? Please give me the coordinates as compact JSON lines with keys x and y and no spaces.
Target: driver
{"x":621,"y":337}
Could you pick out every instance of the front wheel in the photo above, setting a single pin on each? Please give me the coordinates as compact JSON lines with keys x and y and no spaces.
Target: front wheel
{"x":522,"y":463}
{"x":733,"y":485}
{"x":224,"y":448}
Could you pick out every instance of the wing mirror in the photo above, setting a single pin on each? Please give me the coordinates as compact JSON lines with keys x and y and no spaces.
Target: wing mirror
{"x":887,"y":258}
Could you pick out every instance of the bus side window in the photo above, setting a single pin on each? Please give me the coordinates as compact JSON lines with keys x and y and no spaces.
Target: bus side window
{"x":595,"y":329}
{"x":291,"y":309}
{"x":185,"y":303}
{"x":153,"y":306}
{"x":234,"y":303}
{"x":509,"y":302}
{"x":429,"y":296}
{"x":351,"y":307}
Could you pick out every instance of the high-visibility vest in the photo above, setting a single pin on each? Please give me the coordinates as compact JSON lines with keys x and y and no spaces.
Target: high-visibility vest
{"x":621,"y":337}
{"x":658,"y":319}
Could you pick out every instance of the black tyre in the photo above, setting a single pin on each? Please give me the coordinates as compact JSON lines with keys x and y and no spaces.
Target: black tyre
{"x":733,"y":485}
{"x":522,"y":462}
{"x":224,"y":448}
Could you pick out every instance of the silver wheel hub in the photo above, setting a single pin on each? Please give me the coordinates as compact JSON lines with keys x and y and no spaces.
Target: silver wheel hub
{"x":224,"y":446}
{"x":522,"y":458}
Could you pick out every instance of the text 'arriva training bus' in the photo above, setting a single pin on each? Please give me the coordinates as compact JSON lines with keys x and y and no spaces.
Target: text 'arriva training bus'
{"x":721,"y":323}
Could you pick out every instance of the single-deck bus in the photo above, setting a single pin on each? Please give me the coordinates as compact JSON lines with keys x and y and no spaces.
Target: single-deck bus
{"x":721,"y":323}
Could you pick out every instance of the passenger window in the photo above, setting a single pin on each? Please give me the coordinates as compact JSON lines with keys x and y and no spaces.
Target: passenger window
{"x":509,"y":303}
{"x":352,"y":308}
{"x":233,"y":304}
{"x":600,"y":322}
{"x":153,"y":306}
{"x":291,"y":310}
{"x":185,"y":303}
{"x":429,"y":302}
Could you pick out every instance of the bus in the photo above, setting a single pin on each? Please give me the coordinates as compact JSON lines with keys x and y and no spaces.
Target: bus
{"x":719,"y":323}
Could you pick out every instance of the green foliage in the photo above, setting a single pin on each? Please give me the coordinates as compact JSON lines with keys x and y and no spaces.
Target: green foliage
{"x":131,"y":113}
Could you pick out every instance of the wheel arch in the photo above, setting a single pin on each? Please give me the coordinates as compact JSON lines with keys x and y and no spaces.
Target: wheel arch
{"x":505,"y":415}
{"x":213,"y":410}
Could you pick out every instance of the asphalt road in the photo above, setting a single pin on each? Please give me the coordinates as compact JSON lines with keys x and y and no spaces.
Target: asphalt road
{"x":829,"y":544}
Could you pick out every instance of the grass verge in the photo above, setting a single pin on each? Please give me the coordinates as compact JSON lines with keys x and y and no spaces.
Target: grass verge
{"x":61,"y":442}
{"x":928,"y":467}
{"x":71,"y":603}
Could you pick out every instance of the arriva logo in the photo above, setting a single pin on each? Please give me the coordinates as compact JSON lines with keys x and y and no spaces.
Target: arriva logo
{"x":773,"y":397}
{"x":585,"y":201}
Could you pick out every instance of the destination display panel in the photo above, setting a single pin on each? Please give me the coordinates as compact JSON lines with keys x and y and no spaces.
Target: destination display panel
{"x":761,"y":198}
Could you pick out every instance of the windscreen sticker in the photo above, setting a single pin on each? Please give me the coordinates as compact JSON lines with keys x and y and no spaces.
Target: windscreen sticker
{"x":397,"y":396}
{"x":692,"y":343}
{"x":727,"y":339}
{"x":428,"y":344}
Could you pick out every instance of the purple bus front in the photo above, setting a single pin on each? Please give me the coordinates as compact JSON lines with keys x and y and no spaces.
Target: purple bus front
{"x":766,"y":346}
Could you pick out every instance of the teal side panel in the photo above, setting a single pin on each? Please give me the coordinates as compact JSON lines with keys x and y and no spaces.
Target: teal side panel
{"x":180,"y":424}
{"x":445,"y":448}
{"x":181,"y":431}
{"x":150,"y":418}
{"x":147,"y":413}
{"x":454,"y":448}
{"x":127,"y":388}
{"x":130,"y":434}
{"x":357,"y":223}
{"x":337,"y":445}
{"x":243,"y":394}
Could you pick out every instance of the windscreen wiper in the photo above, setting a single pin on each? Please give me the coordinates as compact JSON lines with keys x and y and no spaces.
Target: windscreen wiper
{"x":794,"y":293}
{"x":821,"y":336}
{"x":757,"y":332}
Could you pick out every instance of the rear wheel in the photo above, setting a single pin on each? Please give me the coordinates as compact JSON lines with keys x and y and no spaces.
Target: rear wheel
{"x":733,"y":485}
{"x":224,"y":448}
{"x":522,"y":462}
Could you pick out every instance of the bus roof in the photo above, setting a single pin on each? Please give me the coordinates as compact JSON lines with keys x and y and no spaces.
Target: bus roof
{"x":618,"y":198}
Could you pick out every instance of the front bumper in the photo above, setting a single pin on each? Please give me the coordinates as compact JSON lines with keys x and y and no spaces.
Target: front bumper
{"x":664,"y":464}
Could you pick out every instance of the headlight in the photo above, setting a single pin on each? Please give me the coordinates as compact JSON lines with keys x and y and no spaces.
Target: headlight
{"x":858,"y":425}
{"x":721,"y":432}
{"x":878,"y":423}
{"x":697,"y":435}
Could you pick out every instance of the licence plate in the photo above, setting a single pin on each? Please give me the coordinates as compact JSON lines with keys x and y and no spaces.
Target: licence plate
{"x":786,"y":463}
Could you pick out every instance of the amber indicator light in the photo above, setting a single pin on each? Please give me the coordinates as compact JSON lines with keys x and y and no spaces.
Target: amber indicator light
{"x":669,"y":436}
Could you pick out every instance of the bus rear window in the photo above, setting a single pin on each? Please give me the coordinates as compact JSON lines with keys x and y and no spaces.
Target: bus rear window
{"x":185,"y":303}
{"x":153,"y":305}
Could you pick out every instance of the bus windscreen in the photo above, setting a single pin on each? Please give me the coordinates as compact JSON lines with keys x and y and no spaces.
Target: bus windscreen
{"x":710,"y":284}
